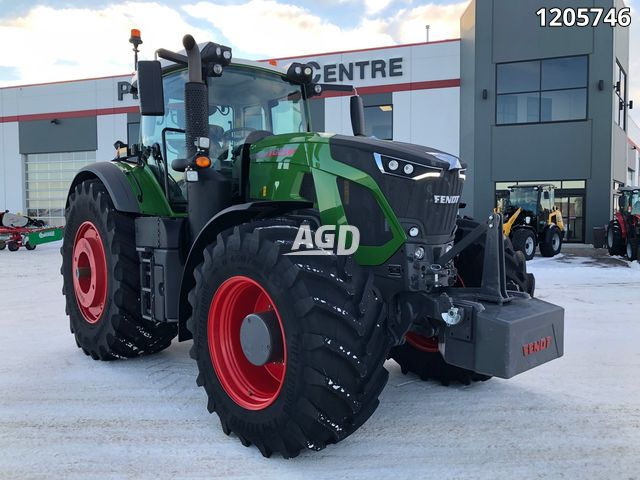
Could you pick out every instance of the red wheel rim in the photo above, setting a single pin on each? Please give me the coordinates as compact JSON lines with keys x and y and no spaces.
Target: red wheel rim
{"x":250,"y":386}
{"x":425,"y":344}
{"x":89,"y":266}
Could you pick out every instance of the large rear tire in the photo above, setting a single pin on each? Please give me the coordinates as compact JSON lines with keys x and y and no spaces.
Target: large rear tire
{"x":326,"y":379}
{"x":101,"y":281}
{"x":420,"y":355}
{"x":615,"y":243}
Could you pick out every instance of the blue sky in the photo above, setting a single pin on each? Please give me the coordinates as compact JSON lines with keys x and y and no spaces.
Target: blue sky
{"x":48,"y":40}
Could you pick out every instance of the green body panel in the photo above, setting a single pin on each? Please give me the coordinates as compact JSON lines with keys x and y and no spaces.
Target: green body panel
{"x":45,"y":235}
{"x":279,"y":164}
{"x":150,"y":194}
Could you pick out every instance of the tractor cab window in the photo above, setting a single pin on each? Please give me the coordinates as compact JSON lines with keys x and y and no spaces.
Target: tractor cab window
{"x":525,"y":198}
{"x":168,"y":133}
{"x":243,"y":100}
{"x":547,"y":200}
{"x":253,"y":101}
{"x":631,"y":202}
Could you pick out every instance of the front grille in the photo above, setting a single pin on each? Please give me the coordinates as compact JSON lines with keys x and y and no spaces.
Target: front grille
{"x":417,"y":200}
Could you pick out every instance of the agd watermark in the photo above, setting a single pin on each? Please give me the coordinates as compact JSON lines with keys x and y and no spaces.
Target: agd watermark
{"x":324,"y":240}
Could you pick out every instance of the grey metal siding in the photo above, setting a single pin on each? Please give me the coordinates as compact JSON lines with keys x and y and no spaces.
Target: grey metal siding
{"x":495,"y":31}
{"x":67,"y":135}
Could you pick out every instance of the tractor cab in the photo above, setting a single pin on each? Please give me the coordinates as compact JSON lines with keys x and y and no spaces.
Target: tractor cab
{"x":534,"y":200}
{"x":629,"y":200}
{"x":251,"y":101}
{"x":532,"y":218}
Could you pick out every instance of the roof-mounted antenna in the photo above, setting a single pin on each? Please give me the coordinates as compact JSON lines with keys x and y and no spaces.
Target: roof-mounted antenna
{"x":135,"y":40}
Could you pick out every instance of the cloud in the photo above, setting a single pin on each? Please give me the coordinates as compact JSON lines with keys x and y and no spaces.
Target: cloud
{"x":408,"y":25}
{"x":267,"y":28}
{"x":375,"y":6}
{"x":48,"y":44}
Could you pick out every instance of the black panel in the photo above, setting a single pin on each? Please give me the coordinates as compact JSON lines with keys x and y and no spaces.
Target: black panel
{"x":377,"y":99}
{"x":160,"y":232}
{"x":58,"y":135}
{"x":363,"y":212}
{"x":316,"y":110}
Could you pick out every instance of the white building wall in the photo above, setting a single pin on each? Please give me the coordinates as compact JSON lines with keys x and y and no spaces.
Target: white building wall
{"x":428,"y":117}
{"x":633,"y":151}
{"x":110,"y":129}
{"x":336,"y":116}
{"x":84,"y":98}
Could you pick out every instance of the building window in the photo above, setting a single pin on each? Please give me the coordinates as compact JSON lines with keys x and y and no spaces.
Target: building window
{"x":378,"y":120}
{"x":620,"y":97}
{"x":47,"y":178}
{"x":541,"y":91}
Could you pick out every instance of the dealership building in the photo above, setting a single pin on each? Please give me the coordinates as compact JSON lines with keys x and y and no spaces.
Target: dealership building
{"x":518,"y":103}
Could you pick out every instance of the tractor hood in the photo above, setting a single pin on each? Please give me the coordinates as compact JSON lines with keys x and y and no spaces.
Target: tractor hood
{"x":422,"y":185}
{"x":416,"y":154}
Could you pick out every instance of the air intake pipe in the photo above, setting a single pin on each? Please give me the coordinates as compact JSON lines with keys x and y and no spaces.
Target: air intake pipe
{"x":210,"y":191}
{"x":196,"y":102}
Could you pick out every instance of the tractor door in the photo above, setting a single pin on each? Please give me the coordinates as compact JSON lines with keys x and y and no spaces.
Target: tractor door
{"x":165,"y":135}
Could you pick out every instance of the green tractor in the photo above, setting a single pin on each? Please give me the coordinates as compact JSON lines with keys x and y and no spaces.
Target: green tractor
{"x":297,"y":262}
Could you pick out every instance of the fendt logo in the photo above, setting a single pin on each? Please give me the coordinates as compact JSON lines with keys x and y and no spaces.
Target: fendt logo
{"x":537,"y":346}
{"x":324,"y":241}
{"x":446,"y":199}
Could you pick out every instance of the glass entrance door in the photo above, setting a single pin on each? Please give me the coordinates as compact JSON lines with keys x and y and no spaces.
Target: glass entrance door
{"x":571,"y":205}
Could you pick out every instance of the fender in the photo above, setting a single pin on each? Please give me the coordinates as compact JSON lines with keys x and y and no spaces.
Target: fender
{"x":227,"y":218}
{"x":114,"y":180}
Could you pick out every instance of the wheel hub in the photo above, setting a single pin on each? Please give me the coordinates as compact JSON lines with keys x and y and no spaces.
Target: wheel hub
{"x":246,"y":343}
{"x":89,"y":267}
{"x":425,"y":344}
{"x":529,"y":245}
{"x":261,"y":338}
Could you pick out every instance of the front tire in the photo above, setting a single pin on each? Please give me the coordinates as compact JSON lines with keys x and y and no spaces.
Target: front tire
{"x":13,"y":246}
{"x":101,"y":281}
{"x":552,"y":243}
{"x":325,"y":382}
{"x":524,"y":240}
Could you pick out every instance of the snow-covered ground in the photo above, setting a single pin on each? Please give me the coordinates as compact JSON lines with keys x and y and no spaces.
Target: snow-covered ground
{"x":63,"y":415}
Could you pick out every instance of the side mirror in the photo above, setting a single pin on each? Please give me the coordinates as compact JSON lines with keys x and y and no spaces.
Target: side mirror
{"x":150,"y":88}
{"x":357,"y":116}
{"x":545,"y":195}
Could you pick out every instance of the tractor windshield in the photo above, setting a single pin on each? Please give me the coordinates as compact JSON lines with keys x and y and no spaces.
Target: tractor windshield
{"x":525,"y":198}
{"x":241,"y":101}
{"x":632,"y":201}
